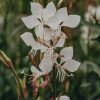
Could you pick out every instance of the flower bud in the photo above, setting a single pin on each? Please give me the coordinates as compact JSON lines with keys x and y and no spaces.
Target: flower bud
{"x":5,"y":59}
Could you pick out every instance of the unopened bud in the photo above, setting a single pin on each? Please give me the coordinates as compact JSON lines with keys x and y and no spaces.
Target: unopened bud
{"x":5,"y":59}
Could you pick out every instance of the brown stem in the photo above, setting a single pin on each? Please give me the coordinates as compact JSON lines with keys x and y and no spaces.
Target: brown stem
{"x":31,"y":58}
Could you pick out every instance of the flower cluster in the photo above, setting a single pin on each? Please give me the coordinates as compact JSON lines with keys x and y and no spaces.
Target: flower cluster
{"x":47,"y":23}
{"x":92,"y":15}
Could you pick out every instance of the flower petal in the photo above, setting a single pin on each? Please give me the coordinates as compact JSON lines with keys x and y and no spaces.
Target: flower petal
{"x":39,"y":30}
{"x":67,"y":53}
{"x":49,"y":11}
{"x":39,"y":46}
{"x":36,"y":9}
{"x":71,"y":65}
{"x":48,"y":33}
{"x":98,"y":13}
{"x":60,"y":42}
{"x":34,"y":70}
{"x":72,"y":21}
{"x":62,"y":14}
{"x":30,"y":21}
{"x":91,"y":10}
{"x":53,"y":22}
{"x":63,"y":98}
{"x":46,"y":64}
{"x":27,"y":37}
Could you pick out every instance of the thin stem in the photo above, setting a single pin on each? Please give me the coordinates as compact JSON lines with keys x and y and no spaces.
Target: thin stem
{"x":54,"y":83}
{"x":18,"y":83}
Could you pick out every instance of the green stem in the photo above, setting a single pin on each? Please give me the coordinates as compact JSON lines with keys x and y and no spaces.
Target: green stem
{"x":18,"y":83}
{"x":54,"y":83}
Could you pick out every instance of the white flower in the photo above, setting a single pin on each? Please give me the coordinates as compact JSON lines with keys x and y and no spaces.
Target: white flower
{"x":66,"y":63}
{"x":44,"y":46}
{"x":48,"y":34}
{"x":27,"y":37}
{"x":93,"y":14}
{"x":64,"y":97}
{"x":58,"y":43}
{"x":63,"y":19}
{"x":98,"y":13}
{"x":45,"y":67}
{"x":39,"y":17}
{"x":91,"y":9}
{"x":89,"y":15}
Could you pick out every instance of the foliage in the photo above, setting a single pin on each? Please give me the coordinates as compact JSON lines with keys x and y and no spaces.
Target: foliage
{"x":85,"y":85}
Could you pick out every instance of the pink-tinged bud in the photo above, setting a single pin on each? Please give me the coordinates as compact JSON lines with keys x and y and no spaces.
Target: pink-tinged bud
{"x":5,"y":59}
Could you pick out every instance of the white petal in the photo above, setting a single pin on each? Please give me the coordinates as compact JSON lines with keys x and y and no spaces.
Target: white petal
{"x":36,"y":9}
{"x":27,"y":37}
{"x":85,"y":32}
{"x":60,"y":42}
{"x":49,"y":11}
{"x":46,"y":64}
{"x":39,"y":46}
{"x":91,"y":10}
{"x":39,"y":30}
{"x":53,"y":22}
{"x":30,"y":22}
{"x":62,"y":14}
{"x":63,"y":98}
{"x":34,"y":70}
{"x":98,"y":13}
{"x":67,"y":53}
{"x":72,"y":21}
{"x":87,"y":16}
{"x":71,"y":65}
{"x":48,"y":33}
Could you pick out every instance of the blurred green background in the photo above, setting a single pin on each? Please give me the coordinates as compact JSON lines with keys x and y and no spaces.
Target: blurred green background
{"x":85,"y":85}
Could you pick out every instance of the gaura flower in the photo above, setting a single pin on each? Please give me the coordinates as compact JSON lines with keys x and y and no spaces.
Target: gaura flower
{"x":44,"y":46}
{"x":66,"y":63}
{"x":27,"y":37}
{"x":62,"y":18}
{"x":45,"y":67}
{"x":98,"y":14}
{"x":89,"y":15}
{"x":58,"y":42}
{"x":93,"y":14}
{"x":40,"y":17}
{"x":64,"y":97}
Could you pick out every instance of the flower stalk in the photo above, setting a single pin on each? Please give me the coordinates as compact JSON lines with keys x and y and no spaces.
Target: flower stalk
{"x":47,"y":23}
{"x":54,"y":83}
{"x":18,"y":83}
{"x":8,"y":63}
